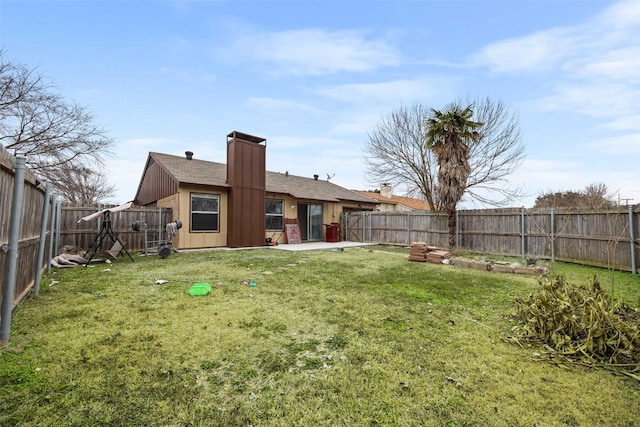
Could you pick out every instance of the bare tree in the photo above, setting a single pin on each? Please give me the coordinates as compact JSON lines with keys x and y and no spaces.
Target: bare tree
{"x":497,"y":155}
{"x":40,"y":124}
{"x":595,"y":195}
{"x":85,"y":186}
{"x":396,"y":153}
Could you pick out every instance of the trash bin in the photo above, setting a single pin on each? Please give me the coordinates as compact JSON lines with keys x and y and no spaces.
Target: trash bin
{"x":332,"y":233}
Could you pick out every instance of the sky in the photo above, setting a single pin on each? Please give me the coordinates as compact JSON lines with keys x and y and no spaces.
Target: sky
{"x":315,"y":77}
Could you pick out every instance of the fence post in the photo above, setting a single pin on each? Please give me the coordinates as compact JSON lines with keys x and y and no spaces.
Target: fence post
{"x":159,"y":226}
{"x":457,"y":229}
{"x":43,"y":238}
{"x":9,"y":282}
{"x":409,"y":225}
{"x":58,"y":225}
{"x":345,"y":226}
{"x":634,"y":267}
{"x":553,"y":236}
{"x":54,"y":209}
{"x":522,"y":232}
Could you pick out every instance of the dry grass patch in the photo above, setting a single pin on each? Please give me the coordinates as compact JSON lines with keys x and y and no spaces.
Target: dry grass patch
{"x":358,"y":337}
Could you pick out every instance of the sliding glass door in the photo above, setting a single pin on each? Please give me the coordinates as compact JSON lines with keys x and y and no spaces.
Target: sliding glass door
{"x":310,"y":218}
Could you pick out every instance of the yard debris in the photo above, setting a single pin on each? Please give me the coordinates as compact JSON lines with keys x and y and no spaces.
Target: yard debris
{"x":580,"y":325}
{"x":161,"y":281}
{"x":53,"y":282}
{"x":199,"y":289}
{"x":454,"y":381}
{"x":68,"y":260}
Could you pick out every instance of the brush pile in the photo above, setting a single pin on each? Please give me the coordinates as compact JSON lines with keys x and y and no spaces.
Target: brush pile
{"x":580,"y":324}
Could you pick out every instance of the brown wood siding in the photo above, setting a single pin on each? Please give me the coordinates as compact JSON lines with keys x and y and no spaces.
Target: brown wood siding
{"x":247,"y":198}
{"x":156,"y":184}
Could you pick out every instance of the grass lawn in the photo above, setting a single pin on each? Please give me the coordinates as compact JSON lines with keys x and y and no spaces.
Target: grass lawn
{"x":359,"y":337}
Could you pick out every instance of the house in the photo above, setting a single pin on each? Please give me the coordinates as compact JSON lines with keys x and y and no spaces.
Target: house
{"x":240,"y":204}
{"x":387,"y":202}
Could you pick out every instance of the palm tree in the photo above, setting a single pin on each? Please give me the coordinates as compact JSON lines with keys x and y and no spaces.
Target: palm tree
{"x":450,"y":133}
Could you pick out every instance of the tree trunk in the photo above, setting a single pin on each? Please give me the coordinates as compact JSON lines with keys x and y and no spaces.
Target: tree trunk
{"x":451,"y":221}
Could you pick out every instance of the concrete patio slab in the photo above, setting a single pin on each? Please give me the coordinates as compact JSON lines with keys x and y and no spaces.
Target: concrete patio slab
{"x":313,"y":246}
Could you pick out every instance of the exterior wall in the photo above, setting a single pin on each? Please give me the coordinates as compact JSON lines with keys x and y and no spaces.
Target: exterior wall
{"x":290,"y":212}
{"x":331,"y":212}
{"x":173,"y":202}
{"x":188,"y":240}
{"x":356,"y":207}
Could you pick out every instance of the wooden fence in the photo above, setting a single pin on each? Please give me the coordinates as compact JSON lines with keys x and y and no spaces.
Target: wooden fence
{"x":61,"y":229}
{"x":31,"y":220}
{"x":605,"y":238}
{"x":82,"y":234}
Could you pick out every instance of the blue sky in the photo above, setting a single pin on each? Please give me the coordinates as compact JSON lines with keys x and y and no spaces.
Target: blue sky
{"x":315,"y":77}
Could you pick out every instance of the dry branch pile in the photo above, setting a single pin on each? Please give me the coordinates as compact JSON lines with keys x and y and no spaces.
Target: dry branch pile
{"x":580,"y":324}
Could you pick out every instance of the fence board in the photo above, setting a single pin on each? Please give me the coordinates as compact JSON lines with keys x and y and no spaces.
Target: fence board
{"x":82,"y":235}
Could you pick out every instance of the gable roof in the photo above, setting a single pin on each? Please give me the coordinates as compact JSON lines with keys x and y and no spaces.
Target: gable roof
{"x":202,"y":172}
{"x":415,"y":204}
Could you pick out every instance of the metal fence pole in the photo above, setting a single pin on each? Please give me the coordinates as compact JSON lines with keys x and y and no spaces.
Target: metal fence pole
{"x":9,"y":281}
{"x":43,"y":238}
{"x":457,"y":229}
{"x":58,"y":225}
{"x":522,"y":233}
{"x":159,"y":227}
{"x":54,"y":209}
{"x":553,"y":236}
{"x":409,"y":229}
{"x":634,"y":267}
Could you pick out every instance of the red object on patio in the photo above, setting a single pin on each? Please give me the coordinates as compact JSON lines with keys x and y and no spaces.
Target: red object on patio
{"x":333,"y":232}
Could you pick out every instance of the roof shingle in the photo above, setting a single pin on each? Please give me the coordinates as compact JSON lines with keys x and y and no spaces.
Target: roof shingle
{"x":215,"y":174}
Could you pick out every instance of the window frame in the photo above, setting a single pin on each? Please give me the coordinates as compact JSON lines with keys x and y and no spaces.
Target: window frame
{"x":273,"y":215}
{"x":215,"y":214}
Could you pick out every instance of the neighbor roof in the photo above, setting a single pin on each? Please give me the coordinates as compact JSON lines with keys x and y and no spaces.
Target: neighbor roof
{"x":415,"y":204}
{"x":204,"y":172}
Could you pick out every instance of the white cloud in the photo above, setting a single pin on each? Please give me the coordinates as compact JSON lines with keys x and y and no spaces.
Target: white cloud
{"x":313,"y":51}
{"x":391,"y":91}
{"x":288,"y":142}
{"x":355,"y":123}
{"x":618,"y":64}
{"x":534,"y":52}
{"x":627,"y":145}
{"x":593,"y":68}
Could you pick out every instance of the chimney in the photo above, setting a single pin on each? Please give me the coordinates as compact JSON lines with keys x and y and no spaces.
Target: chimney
{"x":385,"y":190}
{"x":316,"y":177}
{"x":189,"y":154}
